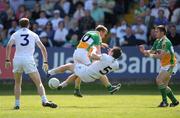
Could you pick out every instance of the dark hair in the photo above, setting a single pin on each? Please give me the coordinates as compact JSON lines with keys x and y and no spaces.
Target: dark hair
{"x":161,"y":28}
{"x":117,"y":52}
{"x":62,"y":23}
{"x":24,"y":22}
{"x":101,"y":28}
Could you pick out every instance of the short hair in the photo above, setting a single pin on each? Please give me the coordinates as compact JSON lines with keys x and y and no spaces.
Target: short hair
{"x":161,"y":28}
{"x":117,"y":52}
{"x":101,"y":28}
{"x":24,"y":22}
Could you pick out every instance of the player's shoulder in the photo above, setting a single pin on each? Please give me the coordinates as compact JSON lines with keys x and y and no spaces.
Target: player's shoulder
{"x":31,"y":32}
{"x":107,"y":57}
{"x":156,"y":41}
{"x":17,"y":33}
{"x":93,"y":33}
{"x":167,"y":41}
{"x":90,"y":32}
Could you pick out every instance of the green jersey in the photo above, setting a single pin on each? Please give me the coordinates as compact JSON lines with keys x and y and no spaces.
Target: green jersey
{"x":164,"y":44}
{"x":90,"y":39}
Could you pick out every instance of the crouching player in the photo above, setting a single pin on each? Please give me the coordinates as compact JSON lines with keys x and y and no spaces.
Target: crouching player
{"x":163,"y":50}
{"x":105,"y":64}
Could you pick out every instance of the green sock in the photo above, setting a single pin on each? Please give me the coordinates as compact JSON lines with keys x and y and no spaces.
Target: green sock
{"x":109,"y":87}
{"x":170,"y":95}
{"x":162,"y":89}
{"x":77,"y":87}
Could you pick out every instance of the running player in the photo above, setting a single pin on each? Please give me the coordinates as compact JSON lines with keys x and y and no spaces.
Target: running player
{"x":163,"y":50}
{"x":23,"y":61}
{"x":90,"y":42}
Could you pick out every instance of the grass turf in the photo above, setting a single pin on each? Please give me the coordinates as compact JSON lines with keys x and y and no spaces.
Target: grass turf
{"x":129,"y":102}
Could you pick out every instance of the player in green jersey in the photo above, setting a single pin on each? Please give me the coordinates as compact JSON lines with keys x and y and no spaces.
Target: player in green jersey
{"x":162,"y":49}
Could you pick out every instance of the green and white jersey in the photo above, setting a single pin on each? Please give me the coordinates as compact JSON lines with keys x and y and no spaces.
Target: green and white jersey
{"x":90,"y":39}
{"x":164,"y":44}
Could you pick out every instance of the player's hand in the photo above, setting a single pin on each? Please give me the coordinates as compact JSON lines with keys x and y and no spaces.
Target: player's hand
{"x":146,"y":53}
{"x":159,"y":55}
{"x":104,"y":45}
{"x":7,"y":64}
{"x":45,"y":66}
{"x":141,"y":48}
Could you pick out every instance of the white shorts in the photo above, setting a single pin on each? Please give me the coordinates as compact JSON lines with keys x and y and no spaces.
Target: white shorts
{"x":166,"y":68}
{"x":81,"y":56}
{"x":84,"y":73}
{"x":24,"y":64}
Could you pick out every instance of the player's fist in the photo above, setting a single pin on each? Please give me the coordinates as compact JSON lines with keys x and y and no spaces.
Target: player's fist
{"x":141,"y":48}
{"x":7,"y":64}
{"x":45,"y":66}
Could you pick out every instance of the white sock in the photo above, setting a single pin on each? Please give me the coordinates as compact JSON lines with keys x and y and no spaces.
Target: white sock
{"x":17,"y":102}
{"x":64,"y":84}
{"x":44,"y":99}
{"x":52,"y":72}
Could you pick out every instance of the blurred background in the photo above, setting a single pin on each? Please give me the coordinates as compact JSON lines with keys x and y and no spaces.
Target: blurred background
{"x":60,"y":25}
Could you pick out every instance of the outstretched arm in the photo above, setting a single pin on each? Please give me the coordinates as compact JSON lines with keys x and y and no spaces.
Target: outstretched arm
{"x":104,"y":45}
{"x":150,"y":53}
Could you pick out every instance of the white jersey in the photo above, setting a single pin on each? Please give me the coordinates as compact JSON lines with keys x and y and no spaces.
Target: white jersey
{"x":24,"y":40}
{"x":104,"y":66}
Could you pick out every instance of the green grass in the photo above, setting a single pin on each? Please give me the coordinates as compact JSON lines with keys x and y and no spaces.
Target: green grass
{"x":130,"y":102}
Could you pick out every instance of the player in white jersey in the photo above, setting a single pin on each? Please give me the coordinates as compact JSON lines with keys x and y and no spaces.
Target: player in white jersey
{"x":105,"y":65}
{"x":97,"y":70}
{"x":23,"y":61}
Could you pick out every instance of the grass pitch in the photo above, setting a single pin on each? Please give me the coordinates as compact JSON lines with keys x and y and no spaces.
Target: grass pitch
{"x":129,"y":102}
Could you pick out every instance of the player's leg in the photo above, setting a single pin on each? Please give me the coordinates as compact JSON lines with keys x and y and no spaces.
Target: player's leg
{"x":77,"y":91}
{"x":170,"y":94}
{"x":69,"y":80}
{"x":105,"y":81}
{"x":17,"y":89}
{"x":78,"y":58}
{"x":37,"y":80}
{"x":162,"y":87}
{"x":61,"y":69}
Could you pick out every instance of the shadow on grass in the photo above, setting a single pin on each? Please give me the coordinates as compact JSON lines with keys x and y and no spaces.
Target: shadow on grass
{"x":89,"y":89}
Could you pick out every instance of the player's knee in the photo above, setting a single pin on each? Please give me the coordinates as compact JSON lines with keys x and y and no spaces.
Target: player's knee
{"x":159,"y":81}
{"x":40,"y":85}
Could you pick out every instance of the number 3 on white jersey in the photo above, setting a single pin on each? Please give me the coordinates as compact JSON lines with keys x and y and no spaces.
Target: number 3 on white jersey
{"x":25,"y":38}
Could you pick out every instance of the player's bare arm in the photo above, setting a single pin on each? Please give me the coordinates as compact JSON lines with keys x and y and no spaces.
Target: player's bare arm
{"x":98,"y":49}
{"x":104,"y":45}
{"x":146,"y":52}
{"x":44,"y":53}
{"x":8,"y":53}
{"x":95,"y":56}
